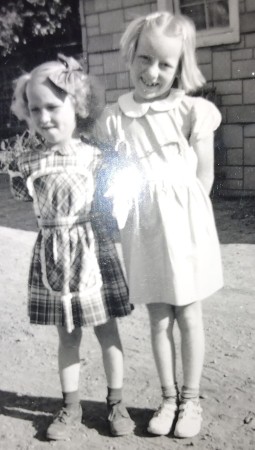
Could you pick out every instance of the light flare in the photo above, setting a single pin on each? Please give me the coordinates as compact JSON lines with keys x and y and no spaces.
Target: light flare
{"x":125,"y":192}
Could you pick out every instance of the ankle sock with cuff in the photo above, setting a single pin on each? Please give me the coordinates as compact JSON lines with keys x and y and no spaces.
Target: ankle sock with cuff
{"x":71,"y":399}
{"x":170,"y":394}
{"x":113,"y":396}
{"x":188,"y":393}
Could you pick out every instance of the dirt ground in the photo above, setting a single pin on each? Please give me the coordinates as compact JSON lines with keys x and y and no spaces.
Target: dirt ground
{"x":29,"y":385}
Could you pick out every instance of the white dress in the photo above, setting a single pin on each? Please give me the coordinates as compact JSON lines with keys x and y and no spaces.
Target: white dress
{"x":168,"y":234}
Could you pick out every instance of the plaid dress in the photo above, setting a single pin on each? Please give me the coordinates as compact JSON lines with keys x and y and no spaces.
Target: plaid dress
{"x":75,"y":277}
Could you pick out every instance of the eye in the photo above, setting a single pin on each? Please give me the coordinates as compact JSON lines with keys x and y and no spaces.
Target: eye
{"x":52,"y":107}
{"x":34,"y":110}
{"x":144,"y":58}
{"x":165,"y":65}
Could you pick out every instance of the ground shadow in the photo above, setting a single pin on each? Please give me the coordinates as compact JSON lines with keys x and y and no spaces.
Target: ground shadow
{"x":40,"y":410}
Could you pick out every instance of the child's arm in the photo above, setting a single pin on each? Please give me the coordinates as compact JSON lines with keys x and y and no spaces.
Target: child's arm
{"x":205,"y":120}
{"x":205,"y":164}
{"x":102,"y":204}
{"x":104,"y":134}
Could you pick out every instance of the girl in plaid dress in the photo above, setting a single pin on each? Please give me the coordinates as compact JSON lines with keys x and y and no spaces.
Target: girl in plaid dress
{"x":75,"y":276}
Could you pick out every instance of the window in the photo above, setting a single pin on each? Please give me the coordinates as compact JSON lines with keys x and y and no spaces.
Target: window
{"x":217,"y":21}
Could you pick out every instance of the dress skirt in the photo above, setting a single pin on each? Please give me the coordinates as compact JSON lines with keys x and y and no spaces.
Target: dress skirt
{"x":173,"y":256}
{"x":46,"y":308}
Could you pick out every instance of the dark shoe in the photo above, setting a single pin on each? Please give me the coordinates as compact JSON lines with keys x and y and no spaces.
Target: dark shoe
{"x":63,"y":423}
{"x":119,"y":420}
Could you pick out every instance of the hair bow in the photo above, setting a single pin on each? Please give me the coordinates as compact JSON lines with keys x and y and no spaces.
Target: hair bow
{"x":66,"y":77}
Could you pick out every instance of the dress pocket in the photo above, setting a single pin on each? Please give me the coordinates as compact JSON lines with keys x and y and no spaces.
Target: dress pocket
{"x":69,"y":262}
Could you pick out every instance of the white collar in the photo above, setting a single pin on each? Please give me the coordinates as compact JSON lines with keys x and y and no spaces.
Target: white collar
{"x":133,"y":109}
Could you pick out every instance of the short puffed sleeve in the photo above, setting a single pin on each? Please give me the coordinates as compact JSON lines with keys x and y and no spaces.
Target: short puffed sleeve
{"x":205,"y":119}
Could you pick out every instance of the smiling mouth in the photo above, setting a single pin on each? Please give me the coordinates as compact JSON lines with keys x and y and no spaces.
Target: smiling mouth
{"x":148,"y":84}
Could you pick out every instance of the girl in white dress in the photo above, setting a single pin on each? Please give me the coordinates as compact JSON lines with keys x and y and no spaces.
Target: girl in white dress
{"x":163,"y":152}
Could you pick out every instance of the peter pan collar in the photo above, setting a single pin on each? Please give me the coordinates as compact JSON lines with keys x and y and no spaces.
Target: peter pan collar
{"x":133,"y":109}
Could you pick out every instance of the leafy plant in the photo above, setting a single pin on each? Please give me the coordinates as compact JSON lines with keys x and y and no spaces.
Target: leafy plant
{"x":12,"y":148}
{"x":23,"y":20}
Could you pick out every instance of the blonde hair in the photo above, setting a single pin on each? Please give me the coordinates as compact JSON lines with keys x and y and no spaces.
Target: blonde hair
{"x":66,"y":75}
{"x":191,"y":77}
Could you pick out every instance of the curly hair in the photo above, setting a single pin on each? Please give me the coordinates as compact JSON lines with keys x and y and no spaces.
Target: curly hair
{"x":66,"y":75}
{"x":191,"y":77}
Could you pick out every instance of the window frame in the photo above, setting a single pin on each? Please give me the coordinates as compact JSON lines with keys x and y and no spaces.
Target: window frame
{"x":215,"y":36}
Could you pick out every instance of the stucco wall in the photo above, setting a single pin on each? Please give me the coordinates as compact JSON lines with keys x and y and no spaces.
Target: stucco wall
{"x":229,"y":68}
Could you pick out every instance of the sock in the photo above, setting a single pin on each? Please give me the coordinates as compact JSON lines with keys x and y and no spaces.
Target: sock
{"x":71,"y":399}
{"x":189,"y":394}
{"x":170,"y":393}
{"x":113,"y":396}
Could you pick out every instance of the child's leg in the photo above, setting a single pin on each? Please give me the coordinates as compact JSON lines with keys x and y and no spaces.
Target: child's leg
{"x":190,"y":321}
{"x":109,"y":340}
{"x":162,"y":321}
{"x":162,"y":318}
{"x":69,"y":359}
{"x":69,"y":370}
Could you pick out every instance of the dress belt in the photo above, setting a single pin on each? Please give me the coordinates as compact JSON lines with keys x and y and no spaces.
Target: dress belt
{"x":62,"y":221}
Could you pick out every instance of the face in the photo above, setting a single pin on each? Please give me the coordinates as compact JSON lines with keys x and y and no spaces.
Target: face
{"x":51,"y":113}
{"x":155,"y":64}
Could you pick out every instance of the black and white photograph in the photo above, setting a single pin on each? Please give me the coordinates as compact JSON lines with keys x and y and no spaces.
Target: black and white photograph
{"x":127,"y":224}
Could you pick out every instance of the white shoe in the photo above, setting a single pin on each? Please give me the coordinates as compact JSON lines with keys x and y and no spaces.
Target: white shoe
{"x":189,"y":420}
{"x":162,"y":420}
